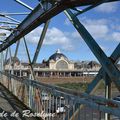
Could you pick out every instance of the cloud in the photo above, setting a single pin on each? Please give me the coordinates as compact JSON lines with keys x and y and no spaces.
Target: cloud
{"x":107,"y":7}
{"x":54,"y":36}
{"x":116,"y":36}
{"x":98,"y":28}
{"x":103,"y":29}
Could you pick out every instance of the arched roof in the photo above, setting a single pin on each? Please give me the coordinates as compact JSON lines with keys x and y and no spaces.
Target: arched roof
{"x":57,"y":56}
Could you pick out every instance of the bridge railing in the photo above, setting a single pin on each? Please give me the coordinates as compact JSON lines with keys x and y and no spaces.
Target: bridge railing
{"x":52,"y":102}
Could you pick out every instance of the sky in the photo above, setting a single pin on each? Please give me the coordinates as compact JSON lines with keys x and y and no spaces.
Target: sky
{"x":102,"y":22}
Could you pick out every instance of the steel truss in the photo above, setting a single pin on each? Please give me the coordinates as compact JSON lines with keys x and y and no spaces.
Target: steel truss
{"x":42,"y":14}
{"x":109,"y":72}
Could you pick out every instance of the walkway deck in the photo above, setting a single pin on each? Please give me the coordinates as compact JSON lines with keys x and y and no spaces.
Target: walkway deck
{"x":10,"y":104}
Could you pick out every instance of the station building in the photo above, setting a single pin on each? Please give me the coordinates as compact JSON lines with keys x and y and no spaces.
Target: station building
{"x":58,"y":65}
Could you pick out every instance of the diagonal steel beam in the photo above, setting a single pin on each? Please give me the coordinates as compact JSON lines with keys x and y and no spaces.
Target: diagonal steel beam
{"x":29,"y":59}
{"x":17,"y":46}
{"x":12,"y":14}
{"x":6,"y":55}
{"x":40,"y":42}
{"x":114,"y":58}
{"x":91,"y":7}
{"x":15,"y":54}
{"x":8,"y":22}
{"x":24,"y":4}
{"x":39,"y":16}
{"x":93,"y":85}
{"x":107,"y":64}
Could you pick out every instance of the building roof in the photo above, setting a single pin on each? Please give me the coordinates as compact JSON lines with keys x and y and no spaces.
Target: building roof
{"x":12,"y":59}
{"x":41,"y":65}
{"x":57,"y":56}
{"x":93,"y":63}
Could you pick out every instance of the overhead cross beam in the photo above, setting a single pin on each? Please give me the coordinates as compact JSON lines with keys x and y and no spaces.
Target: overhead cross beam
{"x":40,"y":15}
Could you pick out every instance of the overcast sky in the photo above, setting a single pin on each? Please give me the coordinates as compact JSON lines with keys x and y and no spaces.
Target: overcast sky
{"x":102,"y":22}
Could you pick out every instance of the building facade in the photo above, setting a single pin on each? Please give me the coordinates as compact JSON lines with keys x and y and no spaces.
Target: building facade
{"x":58,"y":65}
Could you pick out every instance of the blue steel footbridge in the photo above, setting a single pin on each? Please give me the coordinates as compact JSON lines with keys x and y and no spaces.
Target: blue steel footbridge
{"x":50,"y":102}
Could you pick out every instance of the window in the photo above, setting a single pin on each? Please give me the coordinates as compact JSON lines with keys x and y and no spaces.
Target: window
{"x":62,"y":65}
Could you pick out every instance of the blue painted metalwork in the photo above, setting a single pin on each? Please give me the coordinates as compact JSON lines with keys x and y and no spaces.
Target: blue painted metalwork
{"x":115,"y":57}
{"x":107,"y":64}
{"x":40,"y":41}
{"x":93,"y":102}
{"x":109,"y":72}
{"x":40,"y":15}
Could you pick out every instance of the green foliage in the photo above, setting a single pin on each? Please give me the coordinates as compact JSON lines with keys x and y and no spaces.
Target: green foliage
{"x":74,"y":86}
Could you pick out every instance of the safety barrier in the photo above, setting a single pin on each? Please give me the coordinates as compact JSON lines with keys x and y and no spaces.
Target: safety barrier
{"x":52,"y":102}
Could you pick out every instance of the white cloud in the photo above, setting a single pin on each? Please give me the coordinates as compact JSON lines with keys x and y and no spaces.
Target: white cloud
{"x":75,"y":35}
{"x":54,"y":36}
{"x":98,"y":28}
{"x":98,"y":31}
{"x":116,"y":36}
{"x":103,"y":29}
{"x":107,"y":7}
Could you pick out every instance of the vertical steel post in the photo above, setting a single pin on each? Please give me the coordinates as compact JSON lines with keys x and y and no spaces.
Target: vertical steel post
{"x":107,"y":92}
{"x":32,"y":74}
{"x":13,"y":62}
{"x":10,"y":70}
{"x":6,"y":54}
{"x":1,"y":65}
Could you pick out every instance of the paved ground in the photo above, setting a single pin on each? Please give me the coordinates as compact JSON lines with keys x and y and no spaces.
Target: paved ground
{"x":11,"y":108}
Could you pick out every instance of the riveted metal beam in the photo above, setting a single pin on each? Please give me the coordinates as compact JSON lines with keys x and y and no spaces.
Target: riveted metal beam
{"x":91,"y":7}
{"x":12,"y":14}
{"x":8,"y":22}
{"x":24,"y":4}
{"x":17,"y":46}
{"x":93,"y":85}
{"x":108,"y":94}
{"x":40,"y":41}
{"x":107,"y":64}
{"x":6,"y":54}
{"x":39,"y":16}
{"x":29,"y":59}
